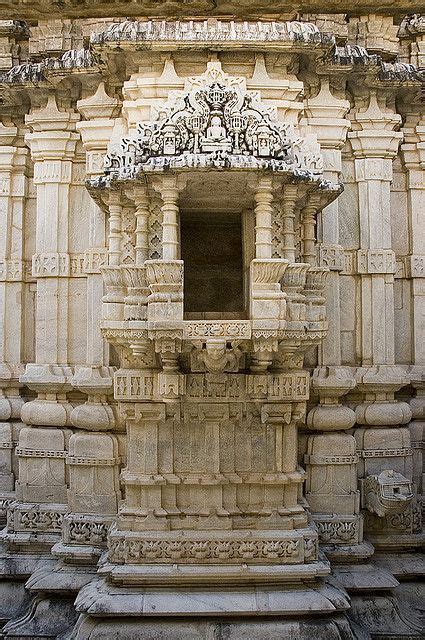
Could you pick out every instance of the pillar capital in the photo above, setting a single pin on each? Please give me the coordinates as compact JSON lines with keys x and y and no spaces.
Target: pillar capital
{"x":374,"y":134}
{"x":99,"y":111}
{"x":52,"y":132}
{"x":326,"y":115}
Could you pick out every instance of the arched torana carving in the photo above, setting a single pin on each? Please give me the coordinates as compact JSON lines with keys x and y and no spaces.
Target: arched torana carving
{"x":215,"y":122}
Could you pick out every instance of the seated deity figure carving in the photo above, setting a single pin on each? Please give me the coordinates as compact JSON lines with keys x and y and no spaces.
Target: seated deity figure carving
{"x":216,"y":131}
{"x":216,"y":136}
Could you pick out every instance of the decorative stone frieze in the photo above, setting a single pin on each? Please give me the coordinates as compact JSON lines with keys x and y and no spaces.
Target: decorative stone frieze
{"x":198,"y":33}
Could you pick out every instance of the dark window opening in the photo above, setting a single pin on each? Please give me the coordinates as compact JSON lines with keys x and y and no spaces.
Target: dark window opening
{"x":211,"y":246}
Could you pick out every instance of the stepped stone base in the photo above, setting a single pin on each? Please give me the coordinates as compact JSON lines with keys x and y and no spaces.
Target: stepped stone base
{"x":99,"y":598}
{"x":241,"y":629}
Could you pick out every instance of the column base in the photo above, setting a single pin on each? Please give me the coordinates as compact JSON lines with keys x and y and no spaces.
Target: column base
{"x":15,"y":569}
{"x":60,"y":579}
{"x":14,"y":599}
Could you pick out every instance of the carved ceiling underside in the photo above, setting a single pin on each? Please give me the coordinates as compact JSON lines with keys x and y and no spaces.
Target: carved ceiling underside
{"x":43,"y":9}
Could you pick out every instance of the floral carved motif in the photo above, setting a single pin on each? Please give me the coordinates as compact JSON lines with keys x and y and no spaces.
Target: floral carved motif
{"x":125,"y":550}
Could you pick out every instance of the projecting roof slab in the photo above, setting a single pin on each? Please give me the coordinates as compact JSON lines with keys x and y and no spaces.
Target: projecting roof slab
{"x":279,"y":9}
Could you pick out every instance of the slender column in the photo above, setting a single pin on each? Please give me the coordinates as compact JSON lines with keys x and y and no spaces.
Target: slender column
{"x":13,"y":181}
{"x":170,"y":223}
{"x":413,"y":154}
{"x":309,"y":230}
{"x":42,"y":446}
{"x":383,"y":441}
{"x":263,"y":218}
{"x":142,"y":218}
{"x":98,"y":111}
{"x":115,"y":224}
{"x":326,"y":115}
{"x":375,"y":144}
{"x":288,"y":218}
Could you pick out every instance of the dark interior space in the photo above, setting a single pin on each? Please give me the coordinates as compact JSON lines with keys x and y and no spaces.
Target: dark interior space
{"x":211,"y":247}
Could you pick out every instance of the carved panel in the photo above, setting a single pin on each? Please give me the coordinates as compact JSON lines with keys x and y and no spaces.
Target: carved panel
{"x":227,"y":548}
{"x":228,"y":330}
{"x":376,"y":261}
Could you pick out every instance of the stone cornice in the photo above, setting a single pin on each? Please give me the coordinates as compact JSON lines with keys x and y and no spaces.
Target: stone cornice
{"x":159,"y":34}
{"x":296,"y":37}
{"x":36,"y":10}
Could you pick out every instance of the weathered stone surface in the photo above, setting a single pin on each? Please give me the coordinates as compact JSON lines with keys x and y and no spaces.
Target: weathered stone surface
{"x":212,"y":358}
{"x":240,"y":8}
{"x":166,"y":630}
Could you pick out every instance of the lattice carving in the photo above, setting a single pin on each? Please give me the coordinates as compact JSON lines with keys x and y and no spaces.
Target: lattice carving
{"x":155,"y":230}
{"x":128,"y":238}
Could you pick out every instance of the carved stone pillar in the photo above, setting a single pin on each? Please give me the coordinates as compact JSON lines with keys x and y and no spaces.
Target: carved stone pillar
{"x":331,"y":487}
{"x":263,"y":218}
{"x":413,"y":154}
{"x":308,"y":225}
{"x":331,"y":464}
{"x":141,"y":201}
{"x":115,"y":226}
{"x":98,"y":111}
{"x":325,"y":114}
{"x":375,"y":144}
{"x":92,"y":459}
{"x":383,"y":443}
{"x":43,"y":478}
{"x":113,"y":275}
{"x":135,"y":275}
{"x":170,"y":223}
{"x":13,"y":189}
{"x":289,"y":201}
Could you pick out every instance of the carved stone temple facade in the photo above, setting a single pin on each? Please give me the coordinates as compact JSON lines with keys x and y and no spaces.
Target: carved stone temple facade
{"x":212,"y":320}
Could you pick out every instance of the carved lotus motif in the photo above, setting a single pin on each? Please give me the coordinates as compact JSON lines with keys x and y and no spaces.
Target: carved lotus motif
{"x":268,"y":271}
{"x":316,"y":278}
{"x":294,"y":276}
{"x":134,"y":277}
{"x":164,"y":271}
